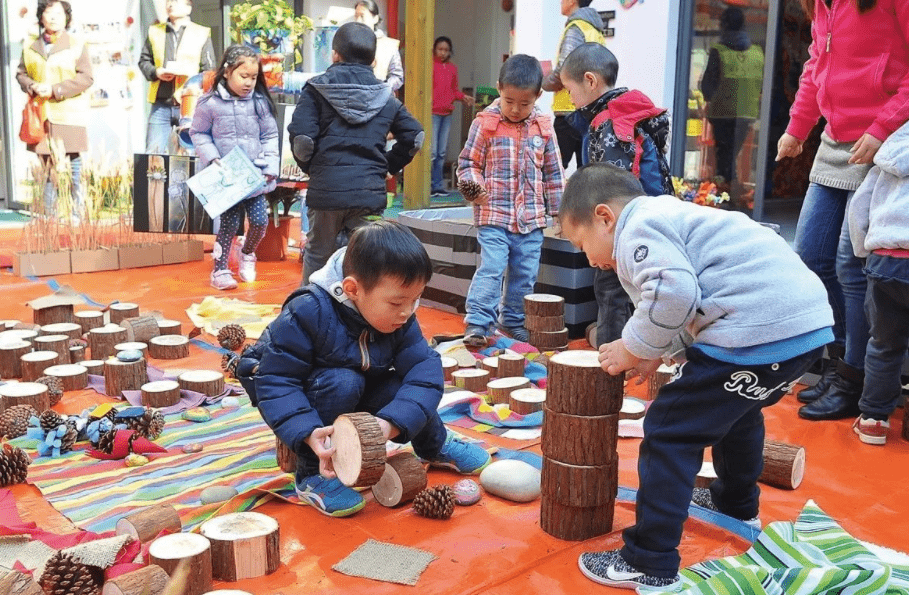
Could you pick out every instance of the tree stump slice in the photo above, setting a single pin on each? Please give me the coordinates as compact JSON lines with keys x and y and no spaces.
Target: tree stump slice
{"x":500,"y":389}
{"x":18,"y":583}
{"x":577,"y":385}
{"x":449,"y":365}
{"x":52,"y":314}
{"x":72,"y":330}
{"x":146,"y":524}
{"x":35,"y":362}
{"x":359,"y":459}
{"x":547,"y":324}
{"x":511,"y":365}
{"x":73,"y":376}
{"x":57,"y":343}
{"x":119,"y":311}
{"x":287,"y":459}
{"x":471,"y":379}
{"x":101,"y":340}
{"x":120,"y":376}
{"x":132,"y":346}
{"x":490,"y":364}
{"x":150,"y":580}
{"x":208,"y":382}
{"x":784,"y":465}
{"x":16,"y":335}
{"x":76,"y":354}
{"x":169,"y":327}
{"x":243,"y":545}
{"x":705,"y":476}
{"x":581,"y":486}
{"x":10,"y":358}
{"x":141,"y":328}
{"x":89,"y":319}
{"x":574,"y":523}
{"x":160,"y":393}
{"x":541,"y":305}
{"x":24,"y":393}
{"x":94,"y":366}
{"x":525,"y":401}
{"x":168,"y":551}
{"x":579,"y":440}
{"x":8,"y":324}
{"x":404,"y":478}
{"x":632,"y":409}
{"x":168,"y":347}
{"x":548,"y":341}
{"x":661,"y":377}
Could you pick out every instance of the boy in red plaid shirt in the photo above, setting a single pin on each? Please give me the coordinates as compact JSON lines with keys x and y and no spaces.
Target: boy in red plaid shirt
{"x":511,"y":152}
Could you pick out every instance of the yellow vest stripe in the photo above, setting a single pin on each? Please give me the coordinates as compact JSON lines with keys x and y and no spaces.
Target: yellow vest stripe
{"x":562,"y":101}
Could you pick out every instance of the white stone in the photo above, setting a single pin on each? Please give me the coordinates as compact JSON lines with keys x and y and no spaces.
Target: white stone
{"x":214,"y":494}
{"x":230,"y":402}
{"x":511,"y":479}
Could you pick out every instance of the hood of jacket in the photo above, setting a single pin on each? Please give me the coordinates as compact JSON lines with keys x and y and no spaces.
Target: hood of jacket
{"x":353,"y":91}
{"x":893,"y":156}
{"x":736,"y":40}
{"x":588,"y":14}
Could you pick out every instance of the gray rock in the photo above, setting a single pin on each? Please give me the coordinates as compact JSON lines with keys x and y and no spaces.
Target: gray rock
{"x":129,"y":355}
{"x":215,"y":494}
{"x":512,"y":480}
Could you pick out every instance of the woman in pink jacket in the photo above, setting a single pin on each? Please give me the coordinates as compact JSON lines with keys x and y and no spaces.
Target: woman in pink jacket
{"x":857,"y":77}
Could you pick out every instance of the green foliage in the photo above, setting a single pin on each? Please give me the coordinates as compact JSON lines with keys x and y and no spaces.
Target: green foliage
{"x":272,"y":18}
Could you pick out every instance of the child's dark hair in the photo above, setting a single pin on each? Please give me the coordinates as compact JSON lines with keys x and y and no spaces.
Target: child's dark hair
{"x":355,"y":43}
{"x":447,"y":40}
{"x":597,"y":183}
{"x":521,"y":72}
{"x":45,"y":4}
{"x":591,"y":57}
{"x":386,"y":249}
{"x":584,"y":3}
{"x":235,"y":55}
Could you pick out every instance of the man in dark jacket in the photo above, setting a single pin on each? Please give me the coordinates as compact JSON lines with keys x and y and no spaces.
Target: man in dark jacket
{"x":338,"y":135}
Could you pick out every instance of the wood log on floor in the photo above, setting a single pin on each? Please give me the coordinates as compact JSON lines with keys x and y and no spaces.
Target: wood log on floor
{"x":208,"y":382}
{"x":287,"y":459}
{"x":784,"y":465}
{"x":18,"y":583}
{"x":705,"y":476}
{"x":89,"y":319}
{"x":243,"y":545}
{"x":121,"y":310}
{"x":57,"y":343}
{"x":77,"y":353}
{"x":160,"y":393}
{"x":10,"y":358}
{"x":168,"y":347}
{"x":168,"y":551}
{"x":499,"y":390}
{"x":141,"y":328}
{"x":579,"y":440}
{"x":574,"y":523}
{"x":660,"y":378}
{"x":73,"y":376}
{"x":146,"y":524}
{"x":72,"y":330}
{"x":101,"y":340}
{"x":525,"y":401}
{"x":169,"y":327}
{"x":470,"y":379}
{"x":490,"y":364}
{"x":120,"y":376}
{"x":632,"y":409}
{"x":548,"y":341}
{"x":94,"y":366}
{"x":404,"y":478}
{"x":511,"y":365}
{"x":35,"y":362}
{"x":132,"y":346}
{"x":52,"y":314}
{"x":544,"y":323}
{"x":149,"y":580}
{"x":359,"y":458}
{"x":24,"y":393}
{"x":449,"y":365}
{"x":579,"y":485}
{"x":543,"y":305}
{"x":18,"y":334}
{"x":577,"y":385}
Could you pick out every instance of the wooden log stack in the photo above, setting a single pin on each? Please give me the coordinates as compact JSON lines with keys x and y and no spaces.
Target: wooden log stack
{"x":243,"y":545}
{"x":544,"y":318}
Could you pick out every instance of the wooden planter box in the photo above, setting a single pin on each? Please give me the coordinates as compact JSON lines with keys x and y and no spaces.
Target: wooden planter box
{"x":89,"y":261}
{"x":185,"y":251}
{"x":141,"y":255}
{"x":27,"y":264}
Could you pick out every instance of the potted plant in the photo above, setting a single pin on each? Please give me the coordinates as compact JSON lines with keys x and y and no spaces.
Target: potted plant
{"x":271,"y":26}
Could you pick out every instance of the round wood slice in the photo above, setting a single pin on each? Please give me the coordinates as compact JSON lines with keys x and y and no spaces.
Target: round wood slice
{"x":10,"y":362}
{"x":89,"y":319}
{"x":24,"y":393}
{"x":148,"y":523}
{"x":470,"y":379}
{"x":511,"y":365}
{"x":359,"y":458}
{"x":160,"y":393}
{"x":17,"y":335}
{"x":705,"y":476}
{"x":547,"y":341}
{"x":101,"y":340}
{"x":543,"y":305}
{"x":577,"y":440}
{"x":525,"y":401}
{"x":35,"y":362}
{"x":168,"y":551}
{"x":94,"y":366}
{"x":784,"y":465}
{"x":19,"y":583}
{"x":121,"y":310}
{"x":57,"y":343}
{"x":73,"y":376}
{"x":632,"y":409}
{"x":243,"y":545}
{"x":77,"y":353}
{"x":52,"y":314}
{"x":8,"y":324}
{"x":577,"y":385}
{"x":208,"y":382}
{"x":169,"y":327}
{"x":449,"y":365}
{"x":404,"y":478}
{"x":579,"y":485}
{"x":132,"y":346}
{"x":168,"y":347}
{"x":661,"y":377}
{"x":490,"y":364}
{"x":120,"y":376}
{"x":71,"y":329}
{"x":141,"y":328}
{"x":149,"y":580}
{"x":573,"y":523}
{"x":287,"y":459}
{"x":499,"y":390}
{"x":544,"y":323}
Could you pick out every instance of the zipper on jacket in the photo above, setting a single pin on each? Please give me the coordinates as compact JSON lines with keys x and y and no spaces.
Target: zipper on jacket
{"x":364,"y":350}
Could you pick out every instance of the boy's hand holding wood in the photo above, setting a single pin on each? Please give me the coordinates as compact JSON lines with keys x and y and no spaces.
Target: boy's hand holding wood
{"x":320,"y":443}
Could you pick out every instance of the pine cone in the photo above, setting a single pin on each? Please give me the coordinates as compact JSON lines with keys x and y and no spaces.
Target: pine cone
{"x":13,"y":465}
{"x":14,"y":420}
{"x":50,"y":420}
{"x":64,"y":576}
{"x":470,"y":189}
{"x":106,"y":441}
{"x":150,"y":424}
{"x":68,"y":439}
{"x":231,"y":337}
{"x":435,"y":503}
{"x":54,"y":388}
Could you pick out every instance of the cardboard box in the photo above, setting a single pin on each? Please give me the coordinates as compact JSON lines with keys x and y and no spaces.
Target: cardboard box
{"x":89,"y":261}
{"x":183,"y":251}
{"x":141,"y":255}
{"x":33,"y":264}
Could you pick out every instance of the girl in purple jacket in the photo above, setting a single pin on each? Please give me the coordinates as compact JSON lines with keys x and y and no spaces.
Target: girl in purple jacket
{"x":238,"y":112}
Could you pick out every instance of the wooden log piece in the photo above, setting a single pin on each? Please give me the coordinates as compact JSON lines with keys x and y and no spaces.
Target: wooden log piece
{"x":149,"y":580}
{"x":577,"y":385}
{"x":632,"y":409}
{"x":705,"y":476}
{"x":57,"y":343}
{"x":543,"y":305}
{"x":661,"y":377}
{"x":579,"y":485}
{"x":576,"y":440}
{"x":35,"y":362}
{"x":168,"y":551}
{"x":548,"y":341}
{"x":544,"y":323}
{"x":71,"y":329}
{"x":77,"y":353}
{"x":243,"y":545}
{"x":121,"y":310}
{"x":470,"y":379}
{"x":94,"y":366}
{"x":449,"y":365}
{"x":490,"y":364}
{"x":146,"y":524}
{"x":101,"y":340}
{"x":19,"y":583}
{"x":404,"y":478}
{"x":287,"y":459}
{"x":10,"y":358}
{"x":73,"y":376}
{"x":17,"y":335}
{"x":161,"y":393}
{"x":208,"y":382}
{"x":169,"y":327}
{"x":120,"y":376}
{"x":525,"y":401}
{"x":132,"y":346}
{"x":168,"y":347}
{"x":8,"y":324}
{"x":359,"y":458}
{"x":24,"y":393}
{"x":141,"y":328}
{"x":499,"y":390}
{"x":27,"y":326}
{"x":511,"y":365}
{"x":573,"y":523}
{"x":52,"y":314}
{"x":89,"y":319}
{"x":784,"y":465}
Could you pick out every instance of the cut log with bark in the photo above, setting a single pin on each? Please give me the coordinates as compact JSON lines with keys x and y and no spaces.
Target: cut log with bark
{"x":287,"y":459}
{"x":52,"y":314}
{"x":141,"y":328}
{"x":632,"y":409}
{"x":544,"y":323}
{"x":168,"y":347}
{"x":404,"y":478}
{"x":169,"y":327}
{"x":160,"y":393}
{"x":577,"y":385}
{"x":490,"y":364}
{"x":573,"y":523}
{"x":77,"y":353}
{"x":24,"y":393}
{"x":548,"y":341}
{"x":784,"y":465}
{"x":73,"y":376}
{"x":471,"y":379}
{"x":35,"y":362}
{"x":101,"y":340}
{"x":511,"y":365}
{"x":543,"y":305}
{"x":57,"y":343}
{"x":10,"y":358}
{"x":94,"y":366}
{"x":499,"y":390}
{"x":89,"y":319}
{"x":359,"y":458}
{"x":449,"y":365}
{"x":132,"y":346}
{"x":149,"y":580}
{"x":243,"y":545}
{"x":208,"y":382}
{"x":168,"y":551}
{"x":17,"y":334}
{"x":525,"y":401}
{"x":120,"y":376}
{"x":119,"y":311}
{"x":705,"y":476}
{"x":148,"y":523}
{"x":72,"y":330}
{"x":579,"y":485}
{"x":661,"y":377}
{"x":18,"y":583}
{"x":579,"y":440}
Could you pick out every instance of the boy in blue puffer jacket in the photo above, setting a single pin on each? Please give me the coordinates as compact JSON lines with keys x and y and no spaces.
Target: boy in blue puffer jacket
{"x":348,"y":342}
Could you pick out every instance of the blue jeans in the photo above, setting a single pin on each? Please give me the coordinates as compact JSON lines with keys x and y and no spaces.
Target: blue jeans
{"x":161,"y":119}
{"x":501,"y":251}
{"x":887,"y":308}
{"x":441,"y":126}
{"x":822,"y":242}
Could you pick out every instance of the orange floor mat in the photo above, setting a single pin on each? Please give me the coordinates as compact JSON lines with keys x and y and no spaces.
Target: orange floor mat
{"x":495,"y":546}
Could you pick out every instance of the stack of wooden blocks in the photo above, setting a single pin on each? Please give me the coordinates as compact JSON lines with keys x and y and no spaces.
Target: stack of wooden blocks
{"x":544,"y":318}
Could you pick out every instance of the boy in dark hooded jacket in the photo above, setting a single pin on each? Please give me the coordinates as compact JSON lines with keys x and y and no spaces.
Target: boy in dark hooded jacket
{"x":338,"y":134}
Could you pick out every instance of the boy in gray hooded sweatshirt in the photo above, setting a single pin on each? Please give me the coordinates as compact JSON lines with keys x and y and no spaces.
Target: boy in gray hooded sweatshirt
{"x":751,"y":318}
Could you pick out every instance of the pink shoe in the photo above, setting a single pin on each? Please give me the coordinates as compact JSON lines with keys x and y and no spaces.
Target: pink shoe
{"x":223,"y":280}
{"x":247,"y":267}
{"x":871,"y":431}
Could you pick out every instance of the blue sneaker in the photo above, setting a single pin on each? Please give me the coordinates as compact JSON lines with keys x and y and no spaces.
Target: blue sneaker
{"x":518,"y":333}
{"x":461,"y":456}
{"x":329,"y":496}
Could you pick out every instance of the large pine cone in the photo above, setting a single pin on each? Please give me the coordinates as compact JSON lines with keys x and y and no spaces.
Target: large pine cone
{"x":106,"y":442}
{"x":50,"y":420}
{"x":64,"y":576}
{"x":13,"y":465}
{"x":435,"y":503}
{"x":14,"y":421}
{"x":231,"y":337}
{"x":68,"y":439}
{"x":470,"y":189}
{"x":54,"y":388}
{"x":150,"y":424}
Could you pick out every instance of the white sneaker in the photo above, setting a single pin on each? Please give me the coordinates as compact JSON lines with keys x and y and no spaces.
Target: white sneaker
{"x":223,"y":280}
{"x":247,"y":267}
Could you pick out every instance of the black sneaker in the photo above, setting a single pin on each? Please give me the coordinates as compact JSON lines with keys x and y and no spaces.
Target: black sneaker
{"x":704,"y":498}
{"x":475,"y":336}
{"x":518,"y":333}
{"x":609,"y":568}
